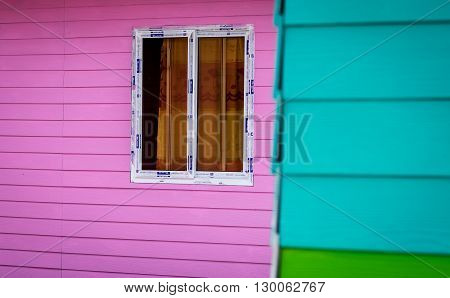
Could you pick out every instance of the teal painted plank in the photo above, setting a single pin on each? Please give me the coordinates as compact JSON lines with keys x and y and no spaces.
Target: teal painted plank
{"x":375,"y":214}
{"x":322,"y":63}
{"x":394,"y":138}
{"x":350,"y":11}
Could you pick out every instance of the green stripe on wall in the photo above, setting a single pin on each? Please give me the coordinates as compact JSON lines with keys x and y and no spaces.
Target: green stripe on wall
{"x":324,"y":264}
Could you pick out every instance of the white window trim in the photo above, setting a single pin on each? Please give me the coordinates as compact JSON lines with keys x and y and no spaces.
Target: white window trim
{"x":191,"y":176}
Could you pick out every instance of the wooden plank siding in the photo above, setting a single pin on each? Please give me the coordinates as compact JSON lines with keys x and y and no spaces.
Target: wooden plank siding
{"x":65,"y":71}
{"x":373,"y":197}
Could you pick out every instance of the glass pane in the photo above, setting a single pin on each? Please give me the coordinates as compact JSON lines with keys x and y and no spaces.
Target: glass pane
{"x":164,"y":104}
{"x":220,"y":105}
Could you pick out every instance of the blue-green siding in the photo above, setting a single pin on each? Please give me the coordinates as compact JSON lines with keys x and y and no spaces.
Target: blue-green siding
{"x":370,"y":138}
{"x":365,"y":213}
{"x":331,"y":12}
{"x":375,"y":78}
{"x":359,"y":62}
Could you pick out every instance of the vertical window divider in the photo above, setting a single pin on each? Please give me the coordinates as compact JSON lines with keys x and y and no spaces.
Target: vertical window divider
{"x":169,"y":105}
{"x":192,"y":124}
{"x":223,"y":110}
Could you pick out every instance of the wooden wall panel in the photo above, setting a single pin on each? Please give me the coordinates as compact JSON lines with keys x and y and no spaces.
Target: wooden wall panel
{"x":374,"y":213}
{"x":374,"y":188}
{"x":155,"y":198}
{"x":417,"y":55}
{"x":64,"y":150}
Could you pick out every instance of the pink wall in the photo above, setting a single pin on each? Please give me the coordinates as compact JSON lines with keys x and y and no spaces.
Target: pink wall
{"x":64,"y":150}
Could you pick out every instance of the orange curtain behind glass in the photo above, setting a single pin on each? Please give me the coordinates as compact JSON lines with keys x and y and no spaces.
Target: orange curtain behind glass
{"x":220,"y":104}
{"x":165,"y":104}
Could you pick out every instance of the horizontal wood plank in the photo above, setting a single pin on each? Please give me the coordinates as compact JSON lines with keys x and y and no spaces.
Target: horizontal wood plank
{"x":306,"y":12}
{"x":142,"y":249}
{"x":30,"y":258}
{"x":31,"y":112}
{"x":19,"y":47}
{"x":31,"y":30}
{"x":31,"y":128}
{"x":101,"y":3}
{"x":43,"y":4}
{"x":418,"y":56}
{"x":131,"y":231}
{"x":88,"y":162}
{"x":138,"y":214}
{"x":155,"y":198}
{"x":164,"y":267}
{"x":88,"y":145}
{"x":30,"y":242}
{"x":396,"y":138}
{"x":32,"y":62}
{"x":262,"y":24}
{"x":114,"y":180}
{"x":42,"y":15}
{"x":169,"y":11}
{"x":31,"y":161}
{"x":31,"y":78}
{"x":31,"y":95}
{"x":27,"y":272}
{"x":102,"y":274}
{"x":376,"y":214}
{"x":24,"y":4}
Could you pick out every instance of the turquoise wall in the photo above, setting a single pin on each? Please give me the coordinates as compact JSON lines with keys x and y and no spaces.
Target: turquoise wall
{"x":374,"y":78}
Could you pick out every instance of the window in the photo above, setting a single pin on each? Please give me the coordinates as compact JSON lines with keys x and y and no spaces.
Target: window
{"x":192,"y":105}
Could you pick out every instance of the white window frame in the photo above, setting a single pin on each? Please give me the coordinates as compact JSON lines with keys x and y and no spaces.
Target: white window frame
{"x":191,"y":175}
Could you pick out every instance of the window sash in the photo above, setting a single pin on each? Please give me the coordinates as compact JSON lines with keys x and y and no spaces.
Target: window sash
{"x":136,"y":139}
{"x":191,"y":175}
{"x":248,"y":101}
